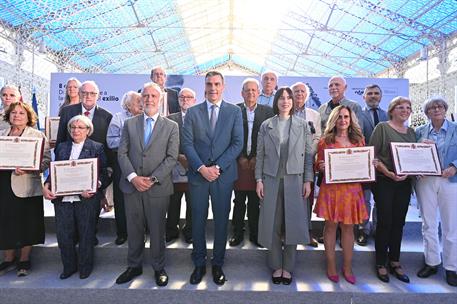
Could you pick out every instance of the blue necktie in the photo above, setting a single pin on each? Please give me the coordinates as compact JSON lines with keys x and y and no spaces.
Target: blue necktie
{"x":148,"y":130}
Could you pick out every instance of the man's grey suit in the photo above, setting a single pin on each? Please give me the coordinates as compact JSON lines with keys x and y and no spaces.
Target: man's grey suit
{"x":203,"y":148}
{"x":157,"y":159}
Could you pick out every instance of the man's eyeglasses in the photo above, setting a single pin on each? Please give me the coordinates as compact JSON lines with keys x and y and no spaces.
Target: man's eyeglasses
{"x":91,"y":94}
{"x":186,"y":97}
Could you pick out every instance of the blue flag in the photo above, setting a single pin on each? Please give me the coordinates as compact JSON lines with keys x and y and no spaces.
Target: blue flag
{"x":35,"y":108}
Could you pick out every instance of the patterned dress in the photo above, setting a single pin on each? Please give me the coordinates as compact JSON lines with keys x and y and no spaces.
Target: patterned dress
{"x":340,"y":203}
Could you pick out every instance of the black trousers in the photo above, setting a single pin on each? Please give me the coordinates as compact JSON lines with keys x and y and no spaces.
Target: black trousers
{"x":392,"y":201}
{"x":173,"y":214}
{"x":239,"y":212}
{"x":119,"y":206}
{"x":74,"y":219}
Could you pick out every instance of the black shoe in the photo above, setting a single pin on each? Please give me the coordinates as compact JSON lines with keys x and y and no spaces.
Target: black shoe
{"x":95,"y":241}
{"x":382,"y":277}
{"x":23,"y":268}
{"x":451,"y":277}
{"x":129,"y":274}
{"x":197,"y":275}
{"x":236,"y":239}
{"x":362,"y":238}
{"x":276,"y":280}
{"x":286,"y":281}
{"x":394,"y":271}
{"x":84,"y":274}
{"x":218,"y":275}
{"x":313,"y":243}
{"x":161,"y":277}
{"x":120,"y":240}
{"x":320,"y":239}
{"x":66,"y":274}
{"x":427,"y":271}
{"x":170,"y":237}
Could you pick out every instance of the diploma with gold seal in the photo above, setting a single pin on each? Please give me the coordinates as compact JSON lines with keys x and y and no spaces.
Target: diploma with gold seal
{"x":70,"y":177}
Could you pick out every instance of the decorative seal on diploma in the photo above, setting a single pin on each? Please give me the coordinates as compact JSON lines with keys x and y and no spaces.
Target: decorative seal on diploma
{"x":349,"y":165}
{"x":415,"y":159}
{"x":25,"y":153}
{"x":70,"y":177}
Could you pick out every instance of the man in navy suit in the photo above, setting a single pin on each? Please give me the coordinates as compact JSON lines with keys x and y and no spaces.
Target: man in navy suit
{"x":212,"y":141}
{"x":370,"y":116}
{"x":169,"y":103}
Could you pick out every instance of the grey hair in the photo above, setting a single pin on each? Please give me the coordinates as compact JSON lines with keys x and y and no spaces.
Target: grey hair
{"x":340,"y":77}
{"x":269,"y":72}
{"x":153,"y":85}
{"x":188,"y":90}
{"x":12,"y":87}
{"x":92,"y":83}
{"x":303,"y":84}
{"x":434,"y":100}
{"x":127,"y":99}
{"x":250,"y":80}
{"x":85,"y":120}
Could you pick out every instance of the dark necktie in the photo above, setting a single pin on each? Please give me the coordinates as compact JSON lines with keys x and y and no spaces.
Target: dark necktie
{"x":375,"y":116}
{"x":87,"y":113}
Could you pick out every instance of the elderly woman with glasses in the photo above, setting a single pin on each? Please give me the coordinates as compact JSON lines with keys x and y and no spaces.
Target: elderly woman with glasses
{"x":391,"y":192}
{"x":75,"y":214}
{"x":436,"y":195}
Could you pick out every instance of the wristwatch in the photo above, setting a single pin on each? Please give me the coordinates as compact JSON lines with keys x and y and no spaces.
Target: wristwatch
{"x":154,"y":180}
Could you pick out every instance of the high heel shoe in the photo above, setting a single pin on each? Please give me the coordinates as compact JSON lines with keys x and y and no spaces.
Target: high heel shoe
{"x":334,"y":278}
{"x":382,"y":277}
{"x":393,"y":270}
{"x":349,"y":278}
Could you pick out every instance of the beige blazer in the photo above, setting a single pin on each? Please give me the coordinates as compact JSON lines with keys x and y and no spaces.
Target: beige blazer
{"x":30,"y":184}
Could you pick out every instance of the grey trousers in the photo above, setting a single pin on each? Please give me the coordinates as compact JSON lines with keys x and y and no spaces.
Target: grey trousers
{"x":279,"y":255}
{"x":143,"y":211}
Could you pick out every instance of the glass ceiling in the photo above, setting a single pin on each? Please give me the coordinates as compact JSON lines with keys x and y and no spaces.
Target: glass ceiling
{"x":292,"y":37}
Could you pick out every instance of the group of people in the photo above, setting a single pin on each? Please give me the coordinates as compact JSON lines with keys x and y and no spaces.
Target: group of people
{"x":269,"y":150}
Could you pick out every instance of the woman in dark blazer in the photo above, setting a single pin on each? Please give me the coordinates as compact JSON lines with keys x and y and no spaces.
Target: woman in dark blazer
{"x":75,"y":214}
{"x":284,"y":171}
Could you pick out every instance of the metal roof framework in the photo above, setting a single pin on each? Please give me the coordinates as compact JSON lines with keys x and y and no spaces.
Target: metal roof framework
{"x":292,"y":37}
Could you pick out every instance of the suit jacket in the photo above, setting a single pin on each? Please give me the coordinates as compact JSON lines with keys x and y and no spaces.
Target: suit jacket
{"x":300,"y":156}
{"x":261,"y":113}
{"x":450,"y":145}
{"x":101,"y":121}
{"x":177,"y":117}
{"x":222,"y":148}
{"x":172,"y":101}
{"x":367,"y":121}
{"x":28,"y":185}
{"x":325,"y":110}
{"x":91,"y":149}
{"x":157,"y":158}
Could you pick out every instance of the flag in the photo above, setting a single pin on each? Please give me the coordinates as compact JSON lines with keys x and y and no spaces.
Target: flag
{"x":35,"y":108}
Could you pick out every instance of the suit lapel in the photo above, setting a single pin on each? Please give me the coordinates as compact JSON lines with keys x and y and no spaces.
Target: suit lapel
{"x":274,"y":133}
{"x":140,"y":130}
{"x":449,"y":136}
{"x":368,"y":117}
{"x":204,"y":114}
{"x":85,"y":151}
{"x":293,"y":134}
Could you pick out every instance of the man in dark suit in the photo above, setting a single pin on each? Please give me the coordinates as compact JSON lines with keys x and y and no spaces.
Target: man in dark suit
{"x":212,"y":140}
{"x":169,"y":103}
{"x":147,"y":153}
{"x":253,"y":116}
{"x":179,"y":174}
{"x":370,"y":116}
{"x":88,"y":94}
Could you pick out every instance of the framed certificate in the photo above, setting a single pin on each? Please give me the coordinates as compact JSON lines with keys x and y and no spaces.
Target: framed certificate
{"x":415,"y":159}
{"x":51,"y":128}
{"x":349,"y":165}
{"x":21,"y":152}
{"x":70,"y":177}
